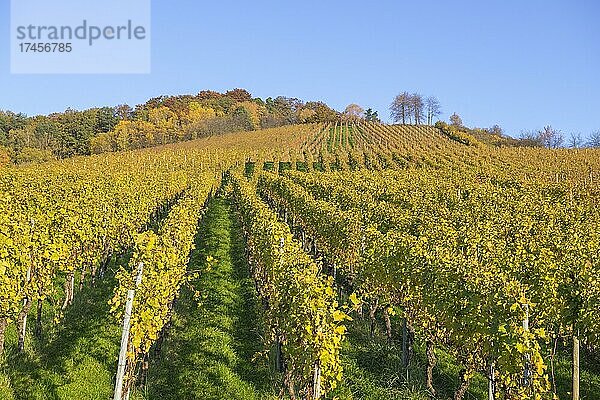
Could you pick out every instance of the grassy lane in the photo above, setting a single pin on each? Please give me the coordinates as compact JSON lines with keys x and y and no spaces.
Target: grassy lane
{"x":215,"y":334}
{"x":78,"y":361}
{"x":373,"y":369}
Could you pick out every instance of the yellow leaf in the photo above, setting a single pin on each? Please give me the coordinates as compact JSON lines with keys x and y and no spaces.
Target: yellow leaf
{"x":340,"y":330}
{"x":339,"y":316}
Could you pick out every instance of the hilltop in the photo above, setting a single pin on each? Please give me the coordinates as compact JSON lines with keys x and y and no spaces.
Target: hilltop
{"x":171,"y":119}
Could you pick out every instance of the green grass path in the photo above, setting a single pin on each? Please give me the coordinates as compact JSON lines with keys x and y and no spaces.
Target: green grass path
{"x":78,"y":361}
{"x":208,"y":352}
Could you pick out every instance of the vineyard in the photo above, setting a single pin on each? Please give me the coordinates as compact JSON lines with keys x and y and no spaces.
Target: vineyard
{"x":317,"y":261}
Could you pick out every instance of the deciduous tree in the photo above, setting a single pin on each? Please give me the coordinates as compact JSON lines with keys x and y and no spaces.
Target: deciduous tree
{"x":575,"y":140}
{"x":353,"y":112}
{"x":400,"y":108}
{"x":433,"y":108}
{"x":495,"y":130}
{"x":416,"y":106}
{"x":9,"y":121}
{"x":306,"y":115}
{"x":239,"y":95}
{"x":455,"y":120}
{"x":252,"y":111}
{"x":123,"y":111}
{"x":595,"y":139}
{"x":550,"y":137}
{"x":103,"y":143}
{"x":323,"y":113}
{"x":208,"y":95}
{"x":166,"y":125}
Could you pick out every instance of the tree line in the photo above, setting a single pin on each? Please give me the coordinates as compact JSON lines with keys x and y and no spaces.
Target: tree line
{"x":160,"y":120}
{"x":413,"y":108}
{"x":553,"y":138}
{"x":168,"y":119}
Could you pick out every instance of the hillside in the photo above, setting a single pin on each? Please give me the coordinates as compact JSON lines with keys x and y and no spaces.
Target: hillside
{"x":349,"y":260}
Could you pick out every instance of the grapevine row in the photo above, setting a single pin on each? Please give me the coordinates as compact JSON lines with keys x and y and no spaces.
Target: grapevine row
{"x":301,"y":312}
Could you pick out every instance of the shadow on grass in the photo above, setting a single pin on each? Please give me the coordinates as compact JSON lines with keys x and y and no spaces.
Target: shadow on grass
{"x":79,"y":358}
{"x":373,"y":369}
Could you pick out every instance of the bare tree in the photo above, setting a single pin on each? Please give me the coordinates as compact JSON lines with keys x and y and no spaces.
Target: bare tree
{"x":353,"y":112}
{"x":550,"y":137}
{"x":530,"y":138}
{"x":456,"y":120}
{"x":595,"y":140}
{"x":575,"y":140}
{"x":400,"y":108}
{"x":416,"y":107}
{"x":495,"y":130}
{"x":433,"y":107}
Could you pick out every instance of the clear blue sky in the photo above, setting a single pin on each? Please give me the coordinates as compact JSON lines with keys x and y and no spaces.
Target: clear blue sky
{"x":521,"y":64}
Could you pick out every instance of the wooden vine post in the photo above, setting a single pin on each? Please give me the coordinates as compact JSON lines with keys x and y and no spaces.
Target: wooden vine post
{"x":279,"y":362}
{"x":125,"y":338}
{"x":491,"y":381}
{"x":575,"y":364}
{"x":317,"y":381}
{"x":527,"y":372}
